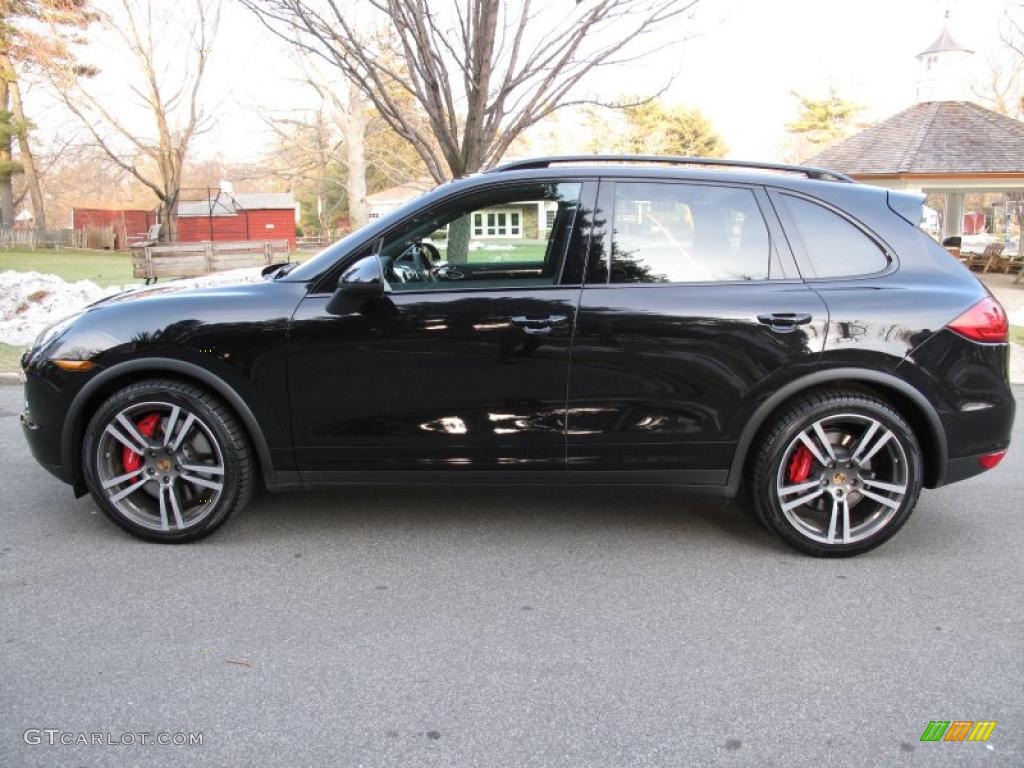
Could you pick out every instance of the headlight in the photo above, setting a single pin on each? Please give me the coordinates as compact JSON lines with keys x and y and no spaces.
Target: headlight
{"x":53,"y":330}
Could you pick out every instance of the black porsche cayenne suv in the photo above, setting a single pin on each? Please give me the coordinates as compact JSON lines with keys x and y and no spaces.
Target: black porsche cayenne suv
{"x":708,"y":324}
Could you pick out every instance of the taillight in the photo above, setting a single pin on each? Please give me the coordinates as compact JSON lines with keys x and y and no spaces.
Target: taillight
{"x":985,"y":321}
{"x":989,"y":460}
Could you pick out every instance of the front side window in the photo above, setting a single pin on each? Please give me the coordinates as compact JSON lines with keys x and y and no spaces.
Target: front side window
{"x":684,"y":233}
{"x":835,"y":247}
{"x":495,"y":239}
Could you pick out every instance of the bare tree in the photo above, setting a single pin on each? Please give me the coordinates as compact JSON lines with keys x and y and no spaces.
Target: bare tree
{"x":8,"y":166}
{"x":306,"y":151}
{"x":338,"y":151}
{"x":1001,"y":86}
{"x":35,"y":35}
{"x":355,"y":157}
{"x":170,"y":96}
{"x":21,"y":130}
{"x":480,"y":71}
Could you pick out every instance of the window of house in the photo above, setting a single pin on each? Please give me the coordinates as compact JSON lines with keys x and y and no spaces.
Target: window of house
{"x":835,"y":246}
{"x":682,"y":233}
{"x":497,"y":223}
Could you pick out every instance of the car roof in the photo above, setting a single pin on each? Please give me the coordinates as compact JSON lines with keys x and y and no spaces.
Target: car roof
{"x":665,"y":173}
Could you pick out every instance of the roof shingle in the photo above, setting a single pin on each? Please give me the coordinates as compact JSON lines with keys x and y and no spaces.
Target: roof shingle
{"x":931,"y":137}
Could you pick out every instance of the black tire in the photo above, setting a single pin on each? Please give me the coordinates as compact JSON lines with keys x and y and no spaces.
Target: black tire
{"x":211,"y":439}
{"x":777,"y":472}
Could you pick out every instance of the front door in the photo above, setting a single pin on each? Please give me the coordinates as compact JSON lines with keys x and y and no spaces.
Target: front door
{"x":464,"y":363}
{"x":692,"y":311}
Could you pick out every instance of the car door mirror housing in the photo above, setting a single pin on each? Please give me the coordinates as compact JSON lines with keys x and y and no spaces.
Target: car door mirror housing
{"x":358,"y":284}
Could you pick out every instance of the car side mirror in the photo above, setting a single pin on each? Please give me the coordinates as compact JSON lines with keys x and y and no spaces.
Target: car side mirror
{"x":357,"y":285}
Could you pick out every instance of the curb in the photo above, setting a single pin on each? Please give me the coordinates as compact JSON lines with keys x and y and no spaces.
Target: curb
{"x":12,"y":378}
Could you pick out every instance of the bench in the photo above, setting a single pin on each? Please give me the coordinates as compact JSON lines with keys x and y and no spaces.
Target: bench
{"x":987,"y":259}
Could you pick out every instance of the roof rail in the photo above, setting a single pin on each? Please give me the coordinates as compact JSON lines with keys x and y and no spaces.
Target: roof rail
{"x":532,"y":163}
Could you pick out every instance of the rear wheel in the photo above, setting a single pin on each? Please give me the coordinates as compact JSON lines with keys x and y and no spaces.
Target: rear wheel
{"x":837,"y":474}
{"x":167,"y":461}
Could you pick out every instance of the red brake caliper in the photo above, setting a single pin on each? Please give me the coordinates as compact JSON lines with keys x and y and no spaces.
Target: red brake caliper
{"x":800,"y":464}
{"x":130,"y":460}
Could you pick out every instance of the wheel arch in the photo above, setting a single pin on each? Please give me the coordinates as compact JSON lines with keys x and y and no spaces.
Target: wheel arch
{"x":121,"y":375}
{"x":905,"y":398}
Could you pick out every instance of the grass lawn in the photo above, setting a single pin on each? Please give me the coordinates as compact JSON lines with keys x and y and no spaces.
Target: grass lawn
{"x":10,"y":354}
{"x":1017,"y":334}
{"x":509,"y":251}
{"x":102,"y":267}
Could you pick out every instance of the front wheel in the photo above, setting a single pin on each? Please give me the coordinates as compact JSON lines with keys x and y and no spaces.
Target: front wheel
{"x":167,"y":461}
{"x":837,"y":474}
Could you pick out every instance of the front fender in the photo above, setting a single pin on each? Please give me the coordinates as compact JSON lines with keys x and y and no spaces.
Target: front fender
{"x":133,"y":370}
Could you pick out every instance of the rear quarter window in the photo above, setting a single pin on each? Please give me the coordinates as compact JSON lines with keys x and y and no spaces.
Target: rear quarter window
{"x":835,"y":247}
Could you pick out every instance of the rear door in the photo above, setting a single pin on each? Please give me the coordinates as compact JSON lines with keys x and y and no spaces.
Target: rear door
{"x":692,"y":312}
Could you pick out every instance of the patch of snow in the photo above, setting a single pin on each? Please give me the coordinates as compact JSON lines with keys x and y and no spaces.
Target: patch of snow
{"x":30,"y":301}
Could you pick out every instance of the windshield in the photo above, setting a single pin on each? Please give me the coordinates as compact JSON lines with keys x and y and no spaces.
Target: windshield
{"x":329,"y":255}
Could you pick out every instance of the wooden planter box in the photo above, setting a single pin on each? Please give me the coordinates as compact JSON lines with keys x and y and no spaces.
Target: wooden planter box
{"x":194,"y":259}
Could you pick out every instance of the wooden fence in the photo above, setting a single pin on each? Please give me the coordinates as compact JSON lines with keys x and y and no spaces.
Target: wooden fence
{"x":37,"y":239}
{"x":194,"y":259}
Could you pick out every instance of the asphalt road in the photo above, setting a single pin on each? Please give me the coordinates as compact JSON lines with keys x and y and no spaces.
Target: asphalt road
{"x":405,"y":627}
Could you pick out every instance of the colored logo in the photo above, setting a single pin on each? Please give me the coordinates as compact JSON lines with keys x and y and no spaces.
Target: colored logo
{"x":958,"y":730}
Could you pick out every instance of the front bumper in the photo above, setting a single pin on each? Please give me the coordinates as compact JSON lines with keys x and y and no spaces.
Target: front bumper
{"x":42,"y":443}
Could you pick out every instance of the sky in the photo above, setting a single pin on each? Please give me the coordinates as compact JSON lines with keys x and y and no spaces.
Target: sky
{"x":739,"y":64}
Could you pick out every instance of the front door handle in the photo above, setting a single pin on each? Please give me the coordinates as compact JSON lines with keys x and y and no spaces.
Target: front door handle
{"x":784,"y":322}
{"x":538,"y":326}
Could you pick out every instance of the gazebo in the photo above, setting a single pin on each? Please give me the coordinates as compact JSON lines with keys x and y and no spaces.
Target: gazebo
{"x":944,"y":144}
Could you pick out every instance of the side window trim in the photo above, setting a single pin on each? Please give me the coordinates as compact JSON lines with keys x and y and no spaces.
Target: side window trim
{"x":322,"y":284}
{"x":779,"y":250}
{"x":597,"y":269}
{"x":572,"y":272}
{"x":571,"y":246}
{"x":799,"y":248}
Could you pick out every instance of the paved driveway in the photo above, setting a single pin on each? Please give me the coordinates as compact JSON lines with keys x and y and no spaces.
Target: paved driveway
{"x":404,"y":627}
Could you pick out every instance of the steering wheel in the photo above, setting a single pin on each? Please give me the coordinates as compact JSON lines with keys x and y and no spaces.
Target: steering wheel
{"x":420,"y":258}
{"x":430,"y":254}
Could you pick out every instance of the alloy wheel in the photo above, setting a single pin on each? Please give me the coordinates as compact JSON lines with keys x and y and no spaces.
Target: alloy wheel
{"x":160,"y":466}
{"x":842,"y":479}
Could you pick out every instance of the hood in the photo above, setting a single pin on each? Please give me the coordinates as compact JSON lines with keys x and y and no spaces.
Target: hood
{"x":228,"y":278}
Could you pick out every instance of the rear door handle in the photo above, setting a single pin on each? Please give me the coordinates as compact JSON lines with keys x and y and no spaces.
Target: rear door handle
{"x":783,"y":322}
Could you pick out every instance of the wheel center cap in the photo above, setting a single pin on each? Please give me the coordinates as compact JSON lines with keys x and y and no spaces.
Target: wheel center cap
{"x":839,"y":478}
{"x":164,"y":465}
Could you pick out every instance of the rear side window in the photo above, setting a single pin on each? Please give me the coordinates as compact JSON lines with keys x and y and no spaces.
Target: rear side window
{"x":685,"y":233}
{"x":835,"y":247}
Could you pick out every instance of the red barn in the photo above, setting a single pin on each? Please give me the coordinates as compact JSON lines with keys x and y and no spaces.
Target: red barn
{"x":128,"y":224}
{"x":238,"y":216}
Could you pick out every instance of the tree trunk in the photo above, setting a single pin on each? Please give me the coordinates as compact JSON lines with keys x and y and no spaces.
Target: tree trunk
{"x":168,"y":221}
{"x":458,"y":240}
{"x":28,"y":163}
{"x":355,"y":151}
{"x":6,"y":161}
